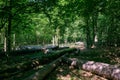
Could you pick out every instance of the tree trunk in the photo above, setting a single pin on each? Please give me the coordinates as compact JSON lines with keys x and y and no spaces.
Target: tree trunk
{"x":41,"y":74}
{"x":88,"y":40}
{"x":94,"y":22}
{"x":14,"y":42}
{"x":8,"y":36}
{"x":105,"y":70}
{"x":28,"y":65}
{"x":5,"y":44}
{"x":56,"y":40}
{"x":2,"y":38}
{"x":53,"y":41}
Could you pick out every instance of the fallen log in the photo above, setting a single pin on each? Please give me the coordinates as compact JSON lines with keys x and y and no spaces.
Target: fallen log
{"x":52,"y":49}
{"x":41,"y":74}
{"x":105,"y":70}
{"x":27,"y":50}
{"x":34,"y":63}
{"x":85,"y":75}
{"x":21,"y":52}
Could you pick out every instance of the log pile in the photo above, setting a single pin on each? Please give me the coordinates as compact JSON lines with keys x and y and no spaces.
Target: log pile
{"x":34,"y":63}
{"x":105,"y":70}
{"x":41,"y":74}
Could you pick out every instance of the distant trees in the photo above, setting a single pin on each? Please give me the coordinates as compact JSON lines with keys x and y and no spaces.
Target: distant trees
{"x":16,"y":18}
{"x":44,"y":21}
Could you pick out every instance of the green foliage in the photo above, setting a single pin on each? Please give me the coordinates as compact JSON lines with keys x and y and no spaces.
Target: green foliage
{"x":37,"y":22}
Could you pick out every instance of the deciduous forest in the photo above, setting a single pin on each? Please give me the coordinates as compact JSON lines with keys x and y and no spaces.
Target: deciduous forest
{"x":59,"y":39}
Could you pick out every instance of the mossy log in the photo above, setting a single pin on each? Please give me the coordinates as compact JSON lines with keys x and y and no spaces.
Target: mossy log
{"x":105,"y":70}
{"x":34,"y":63}
{"x":41,"y":74}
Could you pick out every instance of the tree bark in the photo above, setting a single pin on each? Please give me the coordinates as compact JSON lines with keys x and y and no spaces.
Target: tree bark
{"x":94,"y":34}
{"x":34,"y":63}
{"x":8,"y":36}
{"x":105,"y":70}
{"x":14,"y":41}
{"x":88,"y":39}
{"x":41,"y":74}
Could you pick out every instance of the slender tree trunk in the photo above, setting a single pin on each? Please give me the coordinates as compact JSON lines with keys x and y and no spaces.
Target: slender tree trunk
{"x":66,"y":41}
{"x":14,"y":41}
{"x":53,"y":41}
{"x":110,"y":31}
{"x":2,"y":38}
{"x":8,"y":36}
{"x":94,"y":22}
{"x":93,"y":30}
{"x":88,"y":40}
{"x":5,"y":44}
{"x":5,"y":40}
{"x":56,"y":36}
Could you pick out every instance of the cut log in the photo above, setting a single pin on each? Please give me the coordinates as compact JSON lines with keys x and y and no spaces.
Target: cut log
{"x":102,"y":69}
{"x":40,"y":75}
{"x":52,"y":47}
{"x":71,"y":62}
{"x":31,"y":64}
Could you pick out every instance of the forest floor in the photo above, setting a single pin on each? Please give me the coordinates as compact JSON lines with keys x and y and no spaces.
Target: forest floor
{"x":106,"y":55}
{"x":63,"y":71}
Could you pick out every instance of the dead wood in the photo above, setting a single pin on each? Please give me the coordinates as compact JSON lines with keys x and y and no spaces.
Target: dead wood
{"x":105,"y":70}
{"x":41,"y":74}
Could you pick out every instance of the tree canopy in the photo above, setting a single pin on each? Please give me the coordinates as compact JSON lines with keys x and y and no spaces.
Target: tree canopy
{"x":27,"y":22}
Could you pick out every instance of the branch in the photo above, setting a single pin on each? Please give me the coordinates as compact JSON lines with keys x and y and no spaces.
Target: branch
{"x":24,"y":7}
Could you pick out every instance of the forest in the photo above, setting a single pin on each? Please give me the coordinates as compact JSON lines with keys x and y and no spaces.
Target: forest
{"x":59,"y":39}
